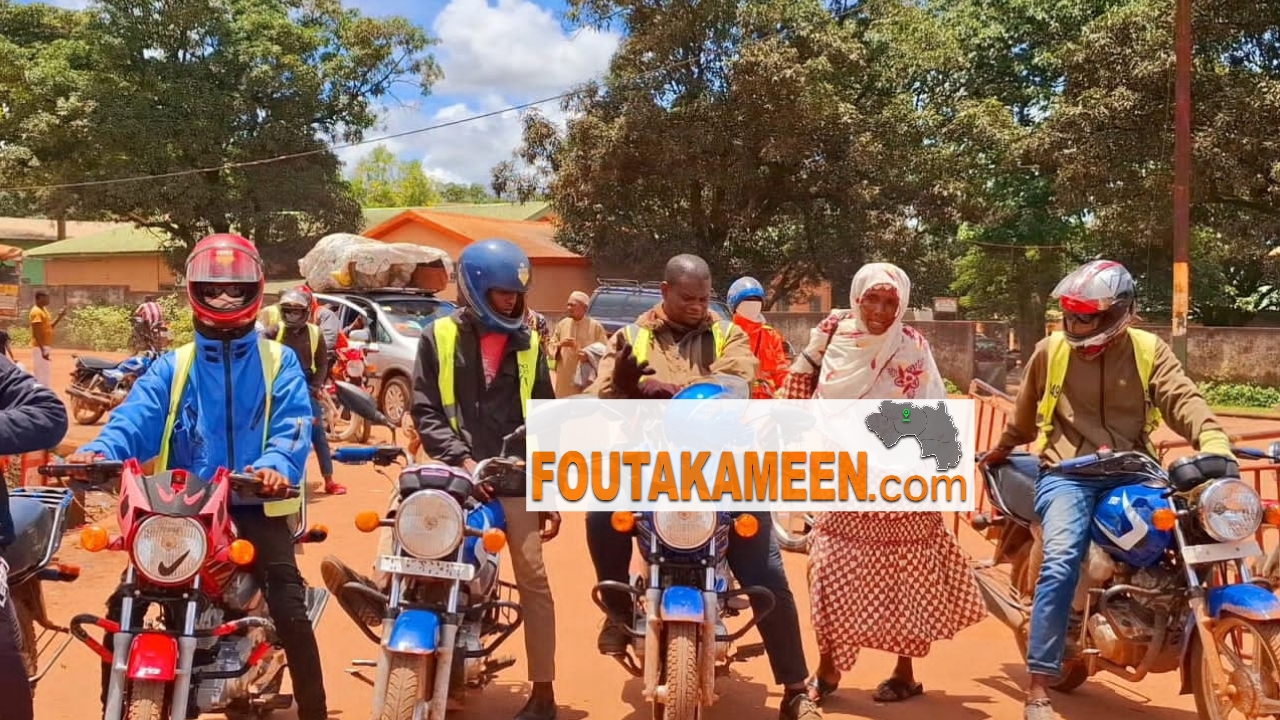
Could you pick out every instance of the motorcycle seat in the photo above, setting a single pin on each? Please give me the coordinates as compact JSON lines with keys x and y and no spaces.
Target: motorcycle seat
{"x":94,"y":363}
{"x":33,"y":529}
{"x":1014,"y":485}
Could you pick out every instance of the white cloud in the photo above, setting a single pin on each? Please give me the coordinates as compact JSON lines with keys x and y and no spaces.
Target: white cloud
{"x":515,"y":48}
{"x":493,"y":57}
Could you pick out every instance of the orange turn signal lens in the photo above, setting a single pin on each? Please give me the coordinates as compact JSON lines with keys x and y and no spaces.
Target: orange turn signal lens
{"x":1164,"y":519}
{"x":241,"y":552}
{"x":746,"y":525}
{"x":624,"y":521}
{"x":94,"y":539}
{"x":1271,"y":515}
{"x":368,"y":521}
{"x":68,"y":571}
{"x":493,"y":540}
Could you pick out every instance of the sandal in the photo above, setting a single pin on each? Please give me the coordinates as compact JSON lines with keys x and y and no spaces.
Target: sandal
{"x":896,"y":689}
{"x":1039,"y":710}
{"x":819,"y":689}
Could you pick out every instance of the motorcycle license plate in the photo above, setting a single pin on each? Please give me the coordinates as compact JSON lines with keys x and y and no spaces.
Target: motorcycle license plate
{"x":355,"y":368}
{"x":426,"y":568}
{"x":1219,"y":552}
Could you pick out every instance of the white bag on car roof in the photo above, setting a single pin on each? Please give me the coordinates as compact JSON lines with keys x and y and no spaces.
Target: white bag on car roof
{"x":345,"y":261}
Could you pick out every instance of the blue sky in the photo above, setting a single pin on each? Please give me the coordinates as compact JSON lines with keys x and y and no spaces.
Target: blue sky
{"x":494,"y":53}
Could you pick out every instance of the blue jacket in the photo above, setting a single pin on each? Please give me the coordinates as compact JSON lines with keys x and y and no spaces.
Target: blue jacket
{"x":32,"y":417}
{"x":224,"y":399}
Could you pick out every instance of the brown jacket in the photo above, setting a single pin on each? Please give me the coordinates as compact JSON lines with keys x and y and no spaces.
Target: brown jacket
{"x":680,"y":360}
{"x":1102,"y":404}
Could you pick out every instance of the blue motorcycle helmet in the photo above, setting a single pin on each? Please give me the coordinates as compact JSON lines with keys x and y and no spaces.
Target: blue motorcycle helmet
{"x":745,"y":288}
{"x":494,"y":264}
{"x":701,"y":423}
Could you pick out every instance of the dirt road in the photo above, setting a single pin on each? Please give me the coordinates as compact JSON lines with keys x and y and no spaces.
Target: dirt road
{"x":977,"y":675}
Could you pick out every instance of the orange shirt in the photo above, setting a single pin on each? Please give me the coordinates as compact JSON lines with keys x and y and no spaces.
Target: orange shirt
{"x":766,"y":344}
{"x":41,"y":327}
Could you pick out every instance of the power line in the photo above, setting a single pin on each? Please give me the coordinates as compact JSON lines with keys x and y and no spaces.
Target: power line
{"x":416,"y":131}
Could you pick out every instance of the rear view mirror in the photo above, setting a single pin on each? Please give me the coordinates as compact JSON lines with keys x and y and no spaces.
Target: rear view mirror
{"x":361,"y":403}
{"x":361,"y":336}
{"x":1274,"y":451}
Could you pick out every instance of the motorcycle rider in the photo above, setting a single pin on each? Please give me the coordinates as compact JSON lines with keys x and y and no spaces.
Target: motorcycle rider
{"x":1099,"y":383}
{"x":498,"y":366}
{"x":32,"y":418}
{"x":746,"y":301}
{"x":305,"y":339}
{"x":676,"y":343}
{"x":216,"y":417}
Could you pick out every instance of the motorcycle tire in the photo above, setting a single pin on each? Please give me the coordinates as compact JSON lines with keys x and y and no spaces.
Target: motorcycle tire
{"x":146,"y":701}
{"x":405,"y":678}
{"x":681,"y":669}
{"x":84,"y":413}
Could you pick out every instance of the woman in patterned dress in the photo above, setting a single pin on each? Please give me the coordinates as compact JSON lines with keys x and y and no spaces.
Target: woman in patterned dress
{"x":891,"y":581}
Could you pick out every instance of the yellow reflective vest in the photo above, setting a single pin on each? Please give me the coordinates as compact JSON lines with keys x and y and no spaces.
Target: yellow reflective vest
{"x":445,"y":332}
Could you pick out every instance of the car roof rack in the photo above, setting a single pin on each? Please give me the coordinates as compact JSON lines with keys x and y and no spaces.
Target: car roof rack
{"x":638,"y":285}
{"x":379,"y":291}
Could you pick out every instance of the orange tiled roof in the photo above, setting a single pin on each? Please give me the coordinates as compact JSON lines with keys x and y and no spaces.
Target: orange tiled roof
{"x":536,"y":238}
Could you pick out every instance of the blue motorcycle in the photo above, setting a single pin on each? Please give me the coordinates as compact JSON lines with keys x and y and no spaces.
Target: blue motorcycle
{"x":1156,"y":592}
{"x":447,"y":611}
{"x":40,"y":520}
{"x":100,"y":385}
{"x":679,"y":641}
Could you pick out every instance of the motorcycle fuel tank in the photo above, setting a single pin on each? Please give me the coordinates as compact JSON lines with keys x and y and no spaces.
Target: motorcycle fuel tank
{"x":1122,"y":524}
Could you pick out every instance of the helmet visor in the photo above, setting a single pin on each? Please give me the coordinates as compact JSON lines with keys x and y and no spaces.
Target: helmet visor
{"x":1093,"y":288}
{"x":224,"y":265}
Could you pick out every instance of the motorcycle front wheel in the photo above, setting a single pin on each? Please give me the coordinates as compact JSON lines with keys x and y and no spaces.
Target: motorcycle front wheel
{"x":1241,"y":643}
{"x":792,"y":530}
{"x":146,"y":701}
{"x":682,"y":672}
{"x":406,"y":680}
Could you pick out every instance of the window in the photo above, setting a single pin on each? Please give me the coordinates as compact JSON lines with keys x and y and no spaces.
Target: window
{"x":410,"y":314}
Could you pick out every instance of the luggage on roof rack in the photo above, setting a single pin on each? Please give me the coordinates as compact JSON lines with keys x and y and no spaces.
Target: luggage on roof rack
{"x":345,"y":261}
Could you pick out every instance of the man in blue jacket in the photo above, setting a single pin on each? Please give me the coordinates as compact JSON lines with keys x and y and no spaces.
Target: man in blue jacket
{"x":230,"y":399}
{"x":32,"y":418}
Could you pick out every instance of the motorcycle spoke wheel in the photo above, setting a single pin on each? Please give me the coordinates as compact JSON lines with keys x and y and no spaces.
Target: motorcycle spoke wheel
{"x":1250,"y":657}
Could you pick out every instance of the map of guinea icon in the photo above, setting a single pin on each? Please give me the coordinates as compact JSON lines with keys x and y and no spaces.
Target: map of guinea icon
{"x":931,"y":426}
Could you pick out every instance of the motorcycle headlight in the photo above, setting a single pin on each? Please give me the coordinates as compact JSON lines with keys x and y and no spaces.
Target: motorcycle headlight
{"x":1229,"y":510}
{"x":429,"y":524}
{"x":169,"y":550}
{"x":684,"y":530}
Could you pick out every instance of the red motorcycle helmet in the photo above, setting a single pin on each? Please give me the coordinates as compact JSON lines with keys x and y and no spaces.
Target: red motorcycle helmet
{"x":225,"y":265}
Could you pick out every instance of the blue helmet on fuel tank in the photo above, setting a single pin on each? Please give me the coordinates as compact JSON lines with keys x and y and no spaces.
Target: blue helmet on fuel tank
{"x":494,"y":265}
{"x":745,"y":288}
{"x":702,"y":423}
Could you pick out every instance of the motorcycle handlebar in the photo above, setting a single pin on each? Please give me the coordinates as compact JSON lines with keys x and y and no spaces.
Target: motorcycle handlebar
{"x":251,"y":485}
{"x":377,"y":454}
{"x":91,"y":474}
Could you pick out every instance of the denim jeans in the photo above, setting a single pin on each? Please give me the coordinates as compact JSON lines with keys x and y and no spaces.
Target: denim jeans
{"x":755,"y":561}
{"x":1065,"y":506}
{"x":320,"y":441}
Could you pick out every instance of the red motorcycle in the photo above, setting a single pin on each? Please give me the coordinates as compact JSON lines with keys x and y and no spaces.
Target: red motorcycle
{"x":351,"y":365}
{"x":214,"y":648}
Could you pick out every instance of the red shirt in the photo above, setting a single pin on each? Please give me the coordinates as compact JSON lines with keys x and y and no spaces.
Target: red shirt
{"x":492,"y":346}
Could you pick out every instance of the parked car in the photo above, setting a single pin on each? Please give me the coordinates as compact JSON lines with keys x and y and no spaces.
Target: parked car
{"x":987,"y":350}
{"x":616,"y":303}
{"x":394,"y":318}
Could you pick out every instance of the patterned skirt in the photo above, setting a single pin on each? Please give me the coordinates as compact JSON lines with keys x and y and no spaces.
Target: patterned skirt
{"x":891,"y":581}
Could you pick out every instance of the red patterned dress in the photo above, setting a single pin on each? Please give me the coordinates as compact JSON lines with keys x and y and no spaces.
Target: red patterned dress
{"x":891,"y":581}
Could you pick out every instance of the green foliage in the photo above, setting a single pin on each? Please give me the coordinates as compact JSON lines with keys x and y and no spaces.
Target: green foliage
{"x":952,"y":389}
{"x":460,"y":193}
{"x":380,"y":179}
{"x":99,"y":327}
{"x":123,"y":89}
{"x":1239,"y":395}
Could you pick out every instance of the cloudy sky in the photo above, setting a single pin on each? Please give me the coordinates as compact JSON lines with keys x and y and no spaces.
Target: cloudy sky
{"x":494,"y":54}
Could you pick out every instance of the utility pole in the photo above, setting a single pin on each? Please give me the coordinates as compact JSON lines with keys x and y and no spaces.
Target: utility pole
{"x":1182,"y":181}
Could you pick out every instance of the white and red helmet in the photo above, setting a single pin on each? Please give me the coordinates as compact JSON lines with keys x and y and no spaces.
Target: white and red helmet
{"x":1098,"y":301}
{"x":229,"y":264}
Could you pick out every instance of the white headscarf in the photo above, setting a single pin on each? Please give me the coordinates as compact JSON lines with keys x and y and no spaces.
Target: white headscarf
{"x":855,"y":360}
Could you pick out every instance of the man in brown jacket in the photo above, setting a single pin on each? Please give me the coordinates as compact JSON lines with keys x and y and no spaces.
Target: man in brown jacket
{"x":1100,"y":383}
{"x":677,"y":343}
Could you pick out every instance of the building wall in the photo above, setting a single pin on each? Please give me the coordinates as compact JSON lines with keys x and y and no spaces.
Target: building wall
{"x":139,"y":273}
{"x":552,"y":283}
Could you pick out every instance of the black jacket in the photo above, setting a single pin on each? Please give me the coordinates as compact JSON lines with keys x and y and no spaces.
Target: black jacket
{"x":299,"y":341}
{"x":32,"y":417}
{"x":489,"y":413}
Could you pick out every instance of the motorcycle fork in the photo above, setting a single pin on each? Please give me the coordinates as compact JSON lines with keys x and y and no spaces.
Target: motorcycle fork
{"x":707,"y":653}
{"x":122,"y":642}
{"x":444,"y":649}
{"x":653,"y":655}
{"x":1199,"y":605}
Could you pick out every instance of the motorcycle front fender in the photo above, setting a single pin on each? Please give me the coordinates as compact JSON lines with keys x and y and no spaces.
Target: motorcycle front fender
{"x":415,"y":632}
{"x":153,"y":656}
{"x":682,"y":604}
{"x":1243,"y":600}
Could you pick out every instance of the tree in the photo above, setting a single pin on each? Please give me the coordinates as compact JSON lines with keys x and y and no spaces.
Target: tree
{"x":380,"y":179}
{"x":171,"y":87}
{"x":791,"y":155}
{"x":461,"y":193}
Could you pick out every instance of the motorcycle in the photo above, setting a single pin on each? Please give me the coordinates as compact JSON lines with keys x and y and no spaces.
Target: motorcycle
{"x":1154,"y":594}
{"x":351,"y":366}
{"x":445,"y":597}
{"x":40,"y":519}
{"x":791,"y":538}
{"x":100,"y":385}
{"x":215,"y":648}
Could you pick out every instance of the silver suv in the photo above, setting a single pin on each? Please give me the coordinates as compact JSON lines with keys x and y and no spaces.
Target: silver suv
{"x":393,"y":318}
